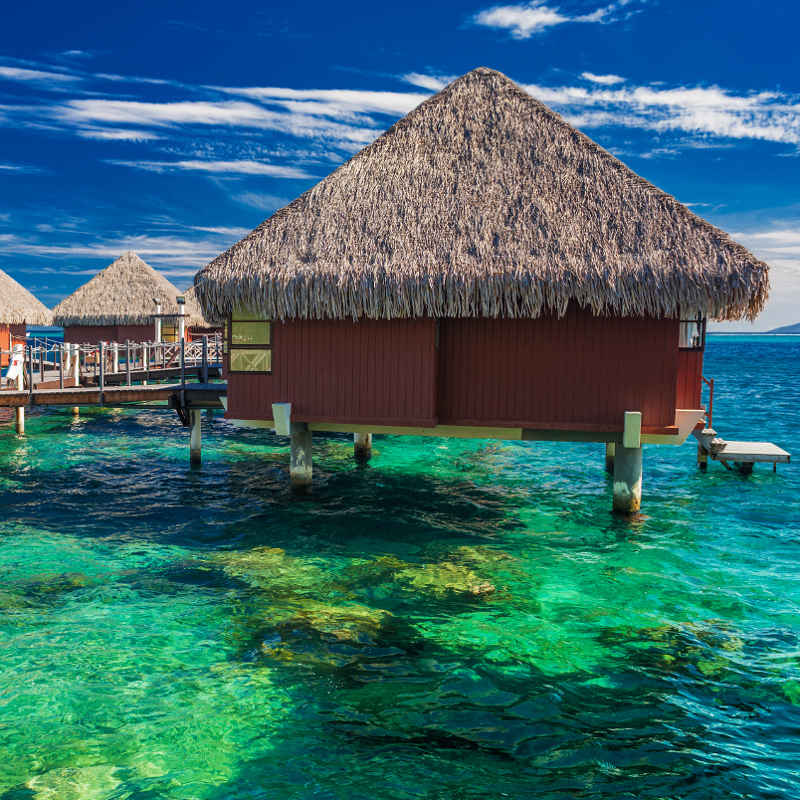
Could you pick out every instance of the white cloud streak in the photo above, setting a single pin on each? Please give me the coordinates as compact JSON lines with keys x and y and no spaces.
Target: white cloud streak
{"x":221,"y":167}
{"x":39,"y":76}
{"x":525,"y":20}
{"x":606,"y":80}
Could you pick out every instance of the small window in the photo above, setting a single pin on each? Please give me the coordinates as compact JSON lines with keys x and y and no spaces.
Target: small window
{"x":169,"y":331}
{"x":244,"y":333}
{"x":251,"y":360}
{"x":250,"y":343}
{"x":692,"y":334}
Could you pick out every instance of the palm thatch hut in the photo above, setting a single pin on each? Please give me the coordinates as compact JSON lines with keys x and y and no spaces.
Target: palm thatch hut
{"x":121,"y":302}
{"x":197,"y":324}
{"x":18,"y":308}
{"x":481,"y":269}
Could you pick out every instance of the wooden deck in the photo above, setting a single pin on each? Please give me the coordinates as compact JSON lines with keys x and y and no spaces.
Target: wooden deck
{"x":740,"y":454}
{"x":192,"y":395}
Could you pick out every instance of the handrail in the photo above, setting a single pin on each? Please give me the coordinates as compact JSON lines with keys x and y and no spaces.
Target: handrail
{"x":100,"y":361}
{"x":710,"y":412}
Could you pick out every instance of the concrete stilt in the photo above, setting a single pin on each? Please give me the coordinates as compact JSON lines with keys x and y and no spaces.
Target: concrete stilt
{"x":195,"y":439}
{"x":20,"y":420}
{"x":702,"y":458}
{"x":627,"y":479}
{"x":362,"y":446}
{"x":610,"y":450}
{"x":300,"y":466}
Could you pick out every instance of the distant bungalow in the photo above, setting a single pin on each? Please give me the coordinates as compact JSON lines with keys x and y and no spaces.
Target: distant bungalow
{"x":482,"y":269}
{"x":128,"y":300}
{"x":18,"y":308}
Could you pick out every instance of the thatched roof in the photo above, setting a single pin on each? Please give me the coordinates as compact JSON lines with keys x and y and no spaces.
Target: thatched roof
{"x":18,"y":305}
{"x":122,"y":294}
{"x":484,"y":202}
{"x":194,"y":314}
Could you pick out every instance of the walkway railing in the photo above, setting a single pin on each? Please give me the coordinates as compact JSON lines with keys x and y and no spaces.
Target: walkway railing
{"x":44,"y":360}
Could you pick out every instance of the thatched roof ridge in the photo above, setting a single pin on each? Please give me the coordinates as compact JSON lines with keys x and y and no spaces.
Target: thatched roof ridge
{"x":482,"y":202}
{"x":194,"y":314}
{"x":121,"y":294}
{"x":18,"y":305}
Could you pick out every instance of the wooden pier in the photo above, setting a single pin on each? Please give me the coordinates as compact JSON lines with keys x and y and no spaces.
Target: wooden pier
{"x":739,"y":455}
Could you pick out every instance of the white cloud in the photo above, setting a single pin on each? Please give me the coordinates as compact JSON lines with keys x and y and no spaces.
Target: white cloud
{"x":264,"y":202}
{"x":606,"y":80}
{"x":20,"y":168}
{"x":117,"y":134}
{"x":225,"y":167}
{"x":337,"y":103}
{"x":433,"y":82}
{"x":19,"y":74}
{"x":229,"y":113}
{"x":699,"y":110}
{"x":167,"y":250}
{"x":523,"y":21}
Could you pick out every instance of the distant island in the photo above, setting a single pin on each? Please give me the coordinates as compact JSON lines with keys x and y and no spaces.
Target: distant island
{"x":794,"y":328}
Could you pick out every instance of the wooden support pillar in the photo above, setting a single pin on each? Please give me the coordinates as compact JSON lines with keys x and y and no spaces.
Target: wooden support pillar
{"x":362,"y":446}
{"x":195,"y":439}
{"x":300,"y":466}
{"x":627,"y":479}
{"x":702,"y":458}
{"x":610,"y":450}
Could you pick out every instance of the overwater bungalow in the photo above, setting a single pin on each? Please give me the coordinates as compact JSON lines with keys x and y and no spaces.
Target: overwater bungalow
{"x":482,"y":269}
{"x":18,"y":308}
{"x":128,"y":300}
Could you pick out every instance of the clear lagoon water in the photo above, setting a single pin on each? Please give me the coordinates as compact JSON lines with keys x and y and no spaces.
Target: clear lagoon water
{"x":460,"y":619}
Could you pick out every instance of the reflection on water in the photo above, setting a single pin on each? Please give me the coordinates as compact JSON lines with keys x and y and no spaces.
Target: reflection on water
{"x":460,"y":619}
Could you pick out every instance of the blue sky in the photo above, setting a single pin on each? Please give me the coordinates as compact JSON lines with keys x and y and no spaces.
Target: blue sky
{"x":174,"y":128}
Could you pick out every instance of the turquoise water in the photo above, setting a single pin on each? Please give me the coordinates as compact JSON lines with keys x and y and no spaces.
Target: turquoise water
{"x":460,"y":619}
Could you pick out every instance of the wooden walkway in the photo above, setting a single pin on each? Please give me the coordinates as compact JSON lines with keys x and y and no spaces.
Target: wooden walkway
{"x":176,"y":395}
{"x":742,"y":455}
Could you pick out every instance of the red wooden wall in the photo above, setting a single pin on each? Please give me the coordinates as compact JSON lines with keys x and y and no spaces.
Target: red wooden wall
{"x":579,"y":372}
{"x":376,"y":371}
{"x":690,"y":378}
{"x":92,"y":334}
{"x":9,"y":336}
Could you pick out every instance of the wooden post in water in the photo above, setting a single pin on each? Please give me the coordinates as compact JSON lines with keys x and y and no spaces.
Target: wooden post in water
{"x":362,"y":446}
{"x":702,"y":458}
{"x":300,"y":463}
{"x":20,"y":410}
{"x":195,"y":439}
{"x":628,"y":466}
{"x":610,"y":450}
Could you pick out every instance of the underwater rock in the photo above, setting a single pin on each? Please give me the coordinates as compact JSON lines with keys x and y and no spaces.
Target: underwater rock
{"x":271,"y":570}
{"x":74,"y":783}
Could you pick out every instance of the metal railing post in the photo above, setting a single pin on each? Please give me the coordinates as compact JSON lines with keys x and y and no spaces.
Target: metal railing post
{"x":128,"y":361}
{"x":29,"y":362}
{"x":61,"y":369}
{"x":183,"y":363}
{"x":205,"y":360}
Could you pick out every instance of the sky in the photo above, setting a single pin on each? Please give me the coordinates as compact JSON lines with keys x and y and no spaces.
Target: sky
{"x":173,"y":129}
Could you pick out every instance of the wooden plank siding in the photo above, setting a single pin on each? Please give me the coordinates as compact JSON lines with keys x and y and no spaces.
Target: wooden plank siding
{"x":94,"y":334}
{"x":9,"y":336}
{"x":579,"y":372}
{"x":376,"y":371}
{"x":690,"y":379}
{"x":575,"y":372}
